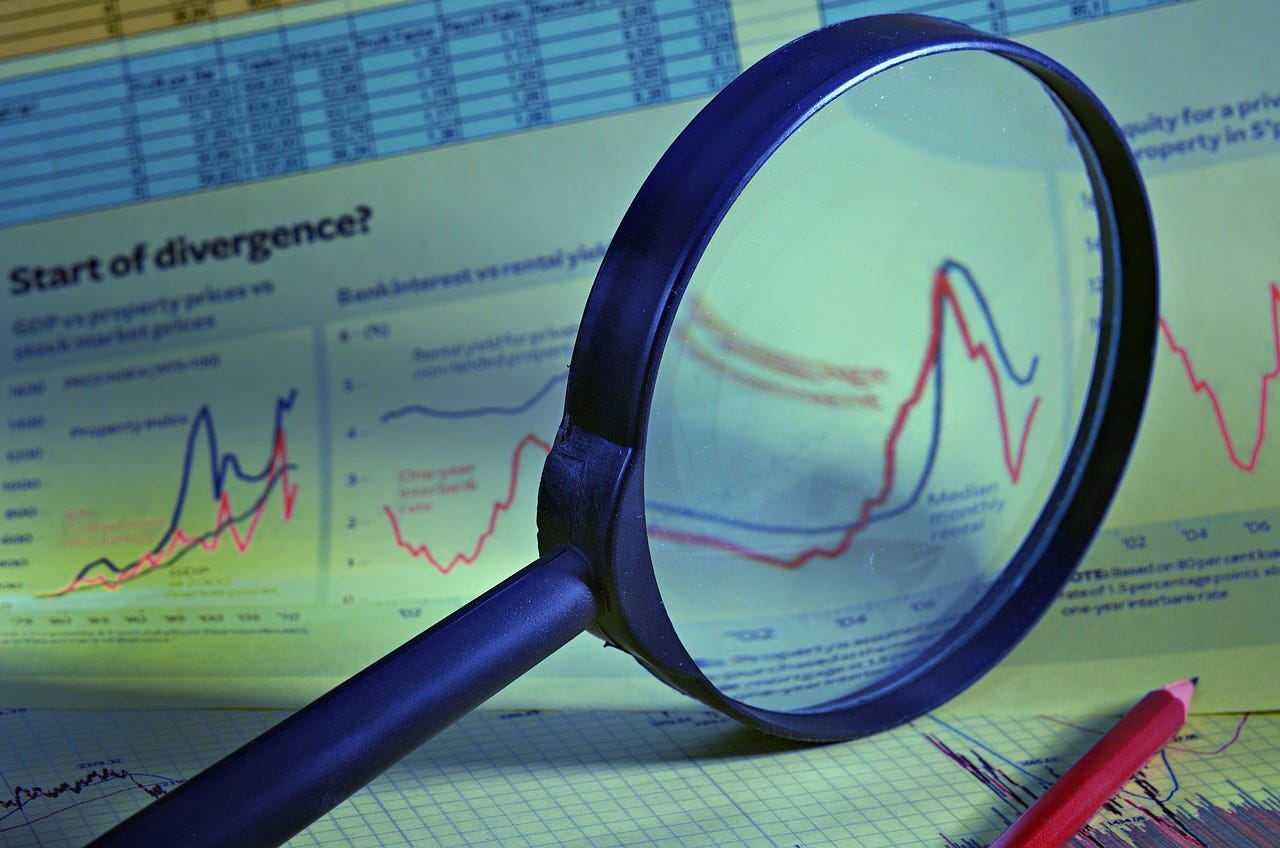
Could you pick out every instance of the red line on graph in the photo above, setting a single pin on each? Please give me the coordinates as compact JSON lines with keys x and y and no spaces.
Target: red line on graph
{"x":225,"y":520}
{"x":1200,"y":386}
{"x":499,"y":507}
{"x":942,"y":293}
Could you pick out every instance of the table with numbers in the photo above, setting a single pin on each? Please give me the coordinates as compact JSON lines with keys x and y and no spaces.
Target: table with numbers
{"x":394,"y":79}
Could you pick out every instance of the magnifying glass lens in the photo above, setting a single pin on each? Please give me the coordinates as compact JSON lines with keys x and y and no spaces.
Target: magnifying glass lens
{"x":873,"y":382}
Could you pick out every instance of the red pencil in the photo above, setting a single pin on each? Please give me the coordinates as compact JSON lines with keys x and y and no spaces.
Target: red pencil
{"x":1067,"y":806}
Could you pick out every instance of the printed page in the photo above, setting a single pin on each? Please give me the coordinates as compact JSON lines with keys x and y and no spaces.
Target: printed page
{"x":290,"y":294}
{"x":663,"y":778}
{"x":1182,"y":578}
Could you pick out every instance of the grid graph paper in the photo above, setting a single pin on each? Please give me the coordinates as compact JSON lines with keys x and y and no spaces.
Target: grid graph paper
{"x":633,"y":778}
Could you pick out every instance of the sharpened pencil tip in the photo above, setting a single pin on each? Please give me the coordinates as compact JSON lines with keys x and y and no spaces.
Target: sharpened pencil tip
{"x":1183,"y":690}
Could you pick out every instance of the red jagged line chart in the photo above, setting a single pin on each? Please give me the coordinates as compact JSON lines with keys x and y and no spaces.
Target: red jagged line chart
{"x":176,"y":541}
{"x":469,"y":557}
{"x":943,"y":300}
{"x":1244,"y":460}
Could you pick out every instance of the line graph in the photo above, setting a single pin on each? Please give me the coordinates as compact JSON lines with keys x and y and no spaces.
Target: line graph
{"x":444,"y":566}
{"x":728,"y":340}
{"x":241,"y":527}
{"x":447,"y":415}
{"x":994,"y":359}
{"x":1000,"y":780}
{"x":477,"y":412}
{"x":1245,"y":460}
{"x":892,"y":788}
{"x":22,"y":808}
{"x":529,"y":444}
{"x":1155,"y":809}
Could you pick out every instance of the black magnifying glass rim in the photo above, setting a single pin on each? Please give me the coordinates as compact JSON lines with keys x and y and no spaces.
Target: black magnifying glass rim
{"x":591,"y":495}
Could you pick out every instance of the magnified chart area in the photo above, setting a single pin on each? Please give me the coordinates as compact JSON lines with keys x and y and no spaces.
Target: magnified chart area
{"x":870,"y":389}
{"x":442,"y":424}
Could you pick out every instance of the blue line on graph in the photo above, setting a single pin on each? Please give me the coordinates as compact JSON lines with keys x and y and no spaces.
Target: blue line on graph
{"x":1021,"y":379}
{"x":1173,"y":776}
{"x":220,"y":467}
{"x":951,"y":265}
{"x":993,"y":752}
{"x":430,"y":412}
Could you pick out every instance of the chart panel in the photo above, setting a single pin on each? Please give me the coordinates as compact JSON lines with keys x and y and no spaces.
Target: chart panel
{"x":87,"y":515}
{"x":665,"y":779}
{"x":443,"y":418}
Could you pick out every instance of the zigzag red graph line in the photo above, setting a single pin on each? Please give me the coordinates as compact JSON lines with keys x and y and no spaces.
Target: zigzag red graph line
{"x":1201,"y":386}
{"x":942,"y":295}
{"x":225,"y":520}
{"x":499,"y":507}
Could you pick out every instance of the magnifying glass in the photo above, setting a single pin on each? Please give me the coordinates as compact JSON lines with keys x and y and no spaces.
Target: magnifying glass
{"x":855,"y":384}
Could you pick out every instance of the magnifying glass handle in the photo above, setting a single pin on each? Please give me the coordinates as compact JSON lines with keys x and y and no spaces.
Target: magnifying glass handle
{"x":277,"y":784}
